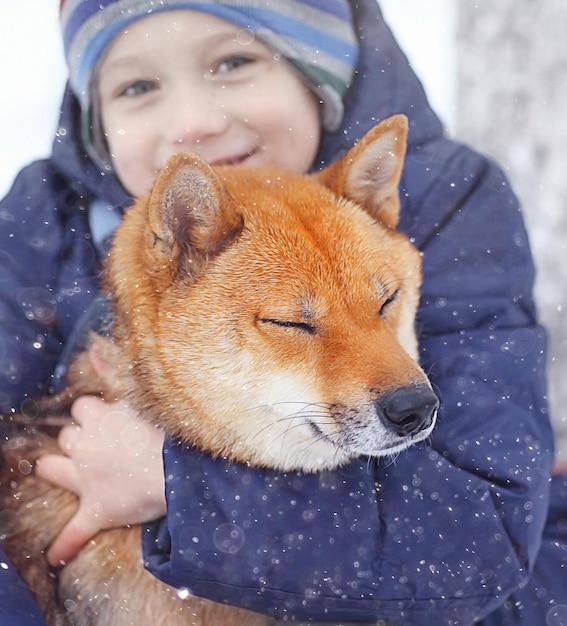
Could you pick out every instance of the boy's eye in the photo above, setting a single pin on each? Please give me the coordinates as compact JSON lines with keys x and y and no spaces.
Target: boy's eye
{"x":139,"y":88}
{"x":231,"y":63}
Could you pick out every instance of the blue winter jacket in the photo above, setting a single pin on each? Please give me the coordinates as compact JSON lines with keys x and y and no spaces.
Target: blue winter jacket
{"x":444,"y":534}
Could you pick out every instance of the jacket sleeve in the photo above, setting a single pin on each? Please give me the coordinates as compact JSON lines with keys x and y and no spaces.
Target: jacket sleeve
{"x":443,"y":532}
{"x":48,"y":270}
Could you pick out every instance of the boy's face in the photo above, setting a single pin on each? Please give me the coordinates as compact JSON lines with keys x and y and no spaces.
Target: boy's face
{"x":185,"y":80}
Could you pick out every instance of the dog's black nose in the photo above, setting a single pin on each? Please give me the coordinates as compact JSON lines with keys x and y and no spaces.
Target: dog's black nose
{"x":408,"y":410}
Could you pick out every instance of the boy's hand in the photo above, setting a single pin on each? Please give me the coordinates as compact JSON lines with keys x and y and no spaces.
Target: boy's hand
{"x":114,"y":465}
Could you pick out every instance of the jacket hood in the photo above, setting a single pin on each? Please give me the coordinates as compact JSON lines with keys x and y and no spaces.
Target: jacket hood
{"x":384,"y":84}
{"x":71,"y":159}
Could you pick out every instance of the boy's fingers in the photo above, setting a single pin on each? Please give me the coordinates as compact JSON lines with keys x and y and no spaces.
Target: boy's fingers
{"x":58,"y":470}
{"x":68,"y":437}
{"x":71,"y":539}
{"x":86,"y":407}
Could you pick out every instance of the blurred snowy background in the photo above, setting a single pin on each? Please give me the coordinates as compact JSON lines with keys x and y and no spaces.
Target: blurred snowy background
{"x":495,"y":72}
{"x":511,"y":102}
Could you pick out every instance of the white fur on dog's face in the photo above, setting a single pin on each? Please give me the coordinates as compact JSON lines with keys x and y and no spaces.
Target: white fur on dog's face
{"x":188,"y":81}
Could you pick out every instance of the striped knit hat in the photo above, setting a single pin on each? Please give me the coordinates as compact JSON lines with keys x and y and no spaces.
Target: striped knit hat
{"x":315,"y":36}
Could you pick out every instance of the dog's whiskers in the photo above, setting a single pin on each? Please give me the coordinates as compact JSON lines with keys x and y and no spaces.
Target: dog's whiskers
{"x":312,"y":413}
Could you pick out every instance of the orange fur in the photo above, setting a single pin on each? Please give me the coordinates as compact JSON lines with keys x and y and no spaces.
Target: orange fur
{"x":275,"y":312}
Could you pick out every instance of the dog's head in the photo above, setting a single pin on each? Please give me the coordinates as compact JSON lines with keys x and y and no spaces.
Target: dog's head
{"x":269,"y":317}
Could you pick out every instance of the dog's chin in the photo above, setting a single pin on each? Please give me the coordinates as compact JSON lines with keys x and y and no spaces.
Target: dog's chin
{"x":395,"y":445}
{"x":311,"y":448}
{"x":370,"y":442}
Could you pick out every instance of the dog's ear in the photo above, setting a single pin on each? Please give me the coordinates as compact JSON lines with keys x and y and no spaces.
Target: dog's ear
{"x":191,"y":217}
{"x":370,"y":172}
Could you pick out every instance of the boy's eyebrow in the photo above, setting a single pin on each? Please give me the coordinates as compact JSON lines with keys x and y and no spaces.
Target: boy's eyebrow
{"x":124,"y":69}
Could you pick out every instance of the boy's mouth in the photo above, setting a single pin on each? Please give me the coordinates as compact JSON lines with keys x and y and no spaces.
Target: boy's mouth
{"x":234,"y":160}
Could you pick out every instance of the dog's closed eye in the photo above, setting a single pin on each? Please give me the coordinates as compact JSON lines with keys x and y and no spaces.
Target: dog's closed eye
{"x":388,"y":302}
{"x":301,"y":326}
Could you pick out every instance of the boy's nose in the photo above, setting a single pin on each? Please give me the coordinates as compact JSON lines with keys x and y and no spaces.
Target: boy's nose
{"x":195,"y":117}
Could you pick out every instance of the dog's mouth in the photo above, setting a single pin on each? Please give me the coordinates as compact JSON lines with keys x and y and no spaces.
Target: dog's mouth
{"x":369,"y":442}
{"x":317,"y":432}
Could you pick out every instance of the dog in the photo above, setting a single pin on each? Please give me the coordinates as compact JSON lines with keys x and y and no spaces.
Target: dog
{"x":285,"y":302}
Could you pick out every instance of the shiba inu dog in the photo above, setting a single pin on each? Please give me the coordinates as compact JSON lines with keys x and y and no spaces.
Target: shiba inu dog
{"x":285,"y":302}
